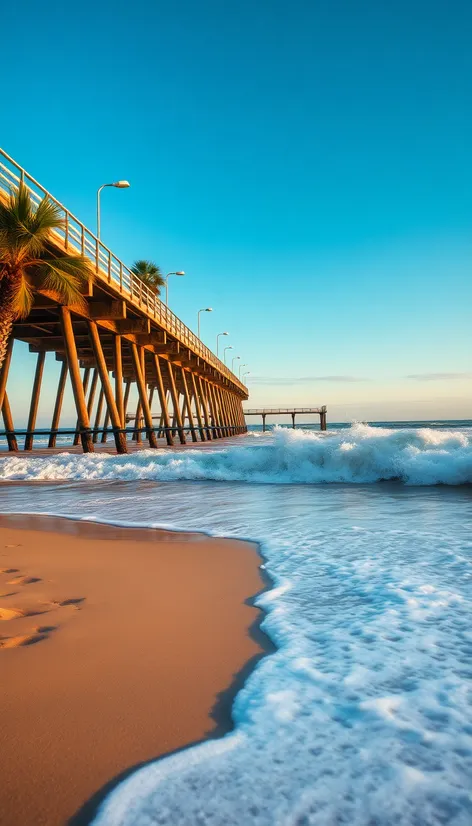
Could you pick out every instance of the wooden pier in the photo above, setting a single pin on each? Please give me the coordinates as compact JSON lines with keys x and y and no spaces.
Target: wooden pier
{"x":122,"y":334}
{"x":292,"y":411}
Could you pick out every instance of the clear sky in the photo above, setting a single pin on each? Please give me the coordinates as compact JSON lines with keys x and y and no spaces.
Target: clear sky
{"x":307,"y":163}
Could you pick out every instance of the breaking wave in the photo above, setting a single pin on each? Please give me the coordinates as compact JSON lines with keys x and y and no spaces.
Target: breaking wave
{"x":361,"y":454}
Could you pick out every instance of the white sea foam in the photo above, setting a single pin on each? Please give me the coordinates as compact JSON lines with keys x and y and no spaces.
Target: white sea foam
{"x":361,"y":454}
{"x":363,"y":715}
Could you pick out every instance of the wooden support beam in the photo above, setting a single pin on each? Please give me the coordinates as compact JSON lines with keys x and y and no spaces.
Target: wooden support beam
{"x":4,"y":370}
{"x":134,"y":325}
{"x":224,"y":411}
{"x":209,"y":397}
{"x":165,"y":420}
{"x":140,"y":380}
{"x":98,"y":414}
{"x":170,"y":348}
{"x":138,"y":419}
{"x":8,"y":422}
{"x":120,"y":438}
{"x":217,"y":431}
{"x":56,"y":416}
{"x":85,"y":384}
{"x":137,"y":435}
{"x":153,"y":338}
{"x":204,"y":403}
{"x":107,"y":310}
{"x":175,"y":404}
{"x":188,"y":405}
{"x":33,"y":412}
{"x":198,"y":410}
{"x":118,"y":369}
{"x":232,"y":413}
{"x":79,"y":397}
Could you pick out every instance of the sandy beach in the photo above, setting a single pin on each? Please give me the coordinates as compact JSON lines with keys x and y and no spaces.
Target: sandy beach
{"x":116,"y":646}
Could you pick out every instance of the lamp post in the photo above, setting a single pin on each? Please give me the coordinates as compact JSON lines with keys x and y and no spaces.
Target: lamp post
{"x":247,"y":373}
{"x":218,"y":341}
{"x":224,"y":352}
{"x":236,"y":358}
{"x":179,"y":272}
{"x":117,"y":185}
{"x":204,"y":310}
{"x":241,"y":365}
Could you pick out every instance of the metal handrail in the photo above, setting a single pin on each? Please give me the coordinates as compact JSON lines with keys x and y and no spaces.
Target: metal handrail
{"x":75,"y":235}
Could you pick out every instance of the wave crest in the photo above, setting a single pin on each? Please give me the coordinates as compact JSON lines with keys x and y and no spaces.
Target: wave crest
{"x":359,"y":455}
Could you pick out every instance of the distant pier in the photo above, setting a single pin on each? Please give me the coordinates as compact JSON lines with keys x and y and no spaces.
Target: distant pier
{"x":291,"y":411}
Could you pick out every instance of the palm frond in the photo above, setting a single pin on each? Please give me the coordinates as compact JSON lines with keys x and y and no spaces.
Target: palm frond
{"x":65,"y":288}
{"x":22,"y":297}
{"x":48,"y":216}
{"x":26,"y":226}
{"x":64,"y":276}
{"x":149,"y":273}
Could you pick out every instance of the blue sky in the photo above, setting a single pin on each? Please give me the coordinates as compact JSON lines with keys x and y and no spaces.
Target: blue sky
{"x":308,"y":164}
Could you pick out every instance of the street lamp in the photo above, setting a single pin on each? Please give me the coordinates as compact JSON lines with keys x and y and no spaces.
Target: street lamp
{"x":236,"y":358}
{"x":166,"y":277}
{"x":241,"y":365}
{"x":224,"y":352}
{"x":117,"y":185}
{"x":205,"y":310}
{"x":247,"y":373}
{"x":218,"y":341}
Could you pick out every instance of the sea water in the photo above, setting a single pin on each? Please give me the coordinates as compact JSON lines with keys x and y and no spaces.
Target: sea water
{"x":363,"y":715}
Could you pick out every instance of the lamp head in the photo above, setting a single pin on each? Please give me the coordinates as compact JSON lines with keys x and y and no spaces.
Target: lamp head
{"x":230,"y":347}
{"x":224,"y":334}
{"x":180,"y":272}
{"x":121,"y":184}
{"x":209,"y":310}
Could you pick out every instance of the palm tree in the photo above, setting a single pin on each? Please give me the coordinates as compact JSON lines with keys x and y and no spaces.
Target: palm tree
{"x":150,"y":274}
{"x":28,"y":259}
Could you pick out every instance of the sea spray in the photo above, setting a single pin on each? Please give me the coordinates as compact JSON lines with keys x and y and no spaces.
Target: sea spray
{"x":359,"y":455}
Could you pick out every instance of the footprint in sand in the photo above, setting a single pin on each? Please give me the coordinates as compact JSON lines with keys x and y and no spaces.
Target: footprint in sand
{"x":9,"y":570}
{"x":22,"y":639}
{"x":72,"y":601}
{"x":9,"y":613}
{"x":23,"y":580}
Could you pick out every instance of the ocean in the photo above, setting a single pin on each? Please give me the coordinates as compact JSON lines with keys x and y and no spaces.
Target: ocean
{"x":363,"y":715}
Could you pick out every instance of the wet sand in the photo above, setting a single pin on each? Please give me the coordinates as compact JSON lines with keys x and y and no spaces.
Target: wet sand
{"x":116,"y":646}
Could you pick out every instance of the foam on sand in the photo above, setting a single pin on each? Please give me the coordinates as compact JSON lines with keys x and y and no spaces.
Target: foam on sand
{"x":363,"y":715}
{"x":361,"y":454}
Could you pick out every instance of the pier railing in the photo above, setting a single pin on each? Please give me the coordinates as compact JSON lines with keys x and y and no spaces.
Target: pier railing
{"x":75,"y":236}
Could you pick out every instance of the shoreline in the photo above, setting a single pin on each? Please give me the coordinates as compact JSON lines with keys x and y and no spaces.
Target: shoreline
{"x":105,"y":704}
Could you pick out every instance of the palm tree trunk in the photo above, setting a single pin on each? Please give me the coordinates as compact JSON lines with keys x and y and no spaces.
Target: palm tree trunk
{"x":7,"y":315}
{"x":6,"y":326}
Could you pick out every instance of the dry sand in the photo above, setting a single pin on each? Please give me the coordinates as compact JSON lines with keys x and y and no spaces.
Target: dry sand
{"x":115,"y":646}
